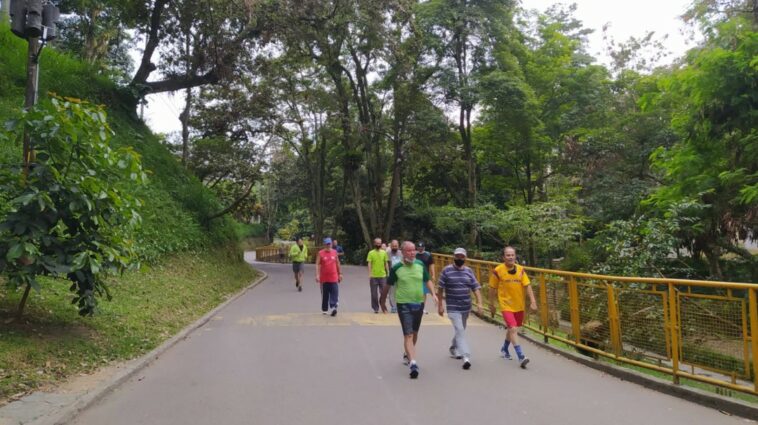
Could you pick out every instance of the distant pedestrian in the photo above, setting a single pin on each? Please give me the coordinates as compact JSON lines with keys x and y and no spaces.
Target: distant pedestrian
{"x":395,"y":256}
{"x":426,"y":258}
{"x":298,"y":254}
{"x":328,"y":275}
{"x":340,"y":251}
{"x":378,"y":269}
{"x":507,"y":283}
{"x":456,"y":283}
{"x":409,"y":278}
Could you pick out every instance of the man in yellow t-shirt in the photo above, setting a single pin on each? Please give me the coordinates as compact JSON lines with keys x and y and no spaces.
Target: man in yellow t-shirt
{"x":298,"y":254}
{"x":507,"y":283}
{"x":378,"y":269}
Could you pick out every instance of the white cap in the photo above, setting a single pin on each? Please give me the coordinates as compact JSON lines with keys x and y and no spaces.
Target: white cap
{"x":460,"y":251}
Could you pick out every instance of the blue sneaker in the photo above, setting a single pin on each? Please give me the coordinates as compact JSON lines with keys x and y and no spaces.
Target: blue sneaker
{"x":414,"y":371}
{"x":504,"y":353}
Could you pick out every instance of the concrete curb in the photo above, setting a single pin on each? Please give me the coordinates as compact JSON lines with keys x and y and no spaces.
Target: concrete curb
{"x":725,"y":405}
{"x":68,"y":413}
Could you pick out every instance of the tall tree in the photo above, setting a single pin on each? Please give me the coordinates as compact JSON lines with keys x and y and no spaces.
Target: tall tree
{"x":716,"y":162}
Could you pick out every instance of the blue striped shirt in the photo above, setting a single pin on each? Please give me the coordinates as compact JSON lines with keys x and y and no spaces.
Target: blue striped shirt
{"x":458,"y":284}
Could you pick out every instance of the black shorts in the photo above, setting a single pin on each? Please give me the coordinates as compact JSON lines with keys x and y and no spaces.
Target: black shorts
{"x":410,"y":317}
{"x":297,"y":267}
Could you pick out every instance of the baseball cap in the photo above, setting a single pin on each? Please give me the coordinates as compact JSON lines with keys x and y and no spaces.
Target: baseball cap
{"x":327,"y":241}
{"x":419,"y":244}
{"x":459,"y":251}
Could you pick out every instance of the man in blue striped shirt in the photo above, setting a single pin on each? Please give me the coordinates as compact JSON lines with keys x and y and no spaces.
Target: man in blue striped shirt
{"x":456,"y":283}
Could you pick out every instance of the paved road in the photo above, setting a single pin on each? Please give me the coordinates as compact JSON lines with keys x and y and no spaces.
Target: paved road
{"x":272,"y":358}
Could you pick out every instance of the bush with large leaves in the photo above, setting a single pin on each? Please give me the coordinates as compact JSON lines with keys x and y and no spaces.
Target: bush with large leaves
{"x":72,"y":216}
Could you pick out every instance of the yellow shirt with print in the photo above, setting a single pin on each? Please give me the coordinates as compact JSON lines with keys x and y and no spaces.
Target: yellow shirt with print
{"x":510,"y":287}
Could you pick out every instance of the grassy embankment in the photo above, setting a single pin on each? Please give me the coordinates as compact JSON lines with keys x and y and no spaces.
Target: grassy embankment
{"x":189,"y":265}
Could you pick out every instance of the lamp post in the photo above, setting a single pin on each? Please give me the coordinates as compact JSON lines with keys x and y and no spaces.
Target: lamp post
{"x":34,"y":21}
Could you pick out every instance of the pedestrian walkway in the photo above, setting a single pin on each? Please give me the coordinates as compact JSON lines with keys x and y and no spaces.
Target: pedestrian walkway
{"x":270,"y":357}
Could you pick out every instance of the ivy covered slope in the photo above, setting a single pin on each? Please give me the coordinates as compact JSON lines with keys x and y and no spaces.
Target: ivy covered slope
{"x":176,"y":203}
{"x":189,"y":265}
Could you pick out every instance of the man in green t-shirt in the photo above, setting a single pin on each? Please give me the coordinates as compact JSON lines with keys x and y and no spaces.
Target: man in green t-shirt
{"x":409,"y":278}
{"x":298,"y":254}
{"x":377,"y":272}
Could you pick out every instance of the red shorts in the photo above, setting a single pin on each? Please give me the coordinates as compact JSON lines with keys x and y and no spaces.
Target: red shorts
{"x":513,"y":319}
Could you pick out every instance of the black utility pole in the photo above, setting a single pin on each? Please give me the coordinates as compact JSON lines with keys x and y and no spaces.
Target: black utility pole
{"x":34,"y":21}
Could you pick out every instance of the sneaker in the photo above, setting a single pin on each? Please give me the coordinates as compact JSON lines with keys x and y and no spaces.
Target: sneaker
{"x":466,"y":364}
{"x":414,"y":371}
{"x":426,"y":312}
{"x":505,"y":354}
{"x":406,"y":360}
{"x":376,"y":311}
{"x":334,"y":311}
{"x":453,"y":354}
{"x":299,"y":289}
{"x":393,"y":310}
{"x":324,"y":313}
{"x":523,"y":362}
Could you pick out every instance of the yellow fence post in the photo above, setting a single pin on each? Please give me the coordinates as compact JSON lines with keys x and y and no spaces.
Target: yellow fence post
{"x":544,"y":314}
{"x":613,"y":320}
{"x":754,"y":334}
{"x":574,"y":304}
{"x":673,"y":326}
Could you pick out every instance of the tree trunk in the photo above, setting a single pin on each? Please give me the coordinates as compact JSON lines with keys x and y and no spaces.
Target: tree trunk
{"x":22,"y":304}
{"x":184,"y":118}
{"x":713,"y":255}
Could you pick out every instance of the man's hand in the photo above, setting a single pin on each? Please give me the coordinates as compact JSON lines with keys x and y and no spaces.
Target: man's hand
{"x":479,"y":309}
{"x":317,"y":281}
{"x":339,"y":279}
{"x":533,"y":306}
{"x":440,"y":310}
{"x":436,"y":300}
{"x":492,"y":310}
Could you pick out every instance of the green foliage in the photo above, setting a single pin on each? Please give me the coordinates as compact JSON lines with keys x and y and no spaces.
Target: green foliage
{"x":73,"y":215}
{"x":716,"y":162}
{"x":545,"y":226}
{"x":646,"y":246}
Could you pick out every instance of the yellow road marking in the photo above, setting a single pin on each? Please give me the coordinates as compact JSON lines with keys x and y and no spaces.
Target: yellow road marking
{"x":343,"y":319}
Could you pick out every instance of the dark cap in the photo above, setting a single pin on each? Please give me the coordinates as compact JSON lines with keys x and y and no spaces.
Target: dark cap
{"x":419,"y":244}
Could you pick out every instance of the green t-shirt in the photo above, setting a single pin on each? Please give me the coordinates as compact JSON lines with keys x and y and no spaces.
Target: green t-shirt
{"x":409,"y":281}
{"x":297,"y":254}
{"x":378,"y":260}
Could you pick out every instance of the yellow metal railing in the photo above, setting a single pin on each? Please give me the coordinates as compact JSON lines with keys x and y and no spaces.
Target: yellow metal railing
{"x":700,"y":330}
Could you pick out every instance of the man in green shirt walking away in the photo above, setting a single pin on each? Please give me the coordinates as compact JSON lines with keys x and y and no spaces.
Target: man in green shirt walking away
{"x":409,"y":279}
{"x":298,"y":254}
{"x":378,"y":269}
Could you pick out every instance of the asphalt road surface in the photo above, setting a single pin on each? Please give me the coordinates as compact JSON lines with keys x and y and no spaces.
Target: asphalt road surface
{"x":270,"y":357}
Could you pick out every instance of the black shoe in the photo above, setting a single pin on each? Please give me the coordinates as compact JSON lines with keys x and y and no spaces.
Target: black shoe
{"x":414,"y":371}
{"x":299,"y":289}
{"x":334,"y":311}
{"x":466,"y":364}
{"x":523,"y":362}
